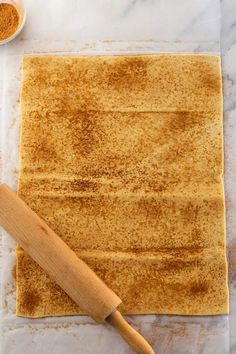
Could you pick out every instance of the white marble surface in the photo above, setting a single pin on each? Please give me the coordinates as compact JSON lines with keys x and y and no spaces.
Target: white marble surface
{"x":124,"y":26}
{"x":228,"y":49}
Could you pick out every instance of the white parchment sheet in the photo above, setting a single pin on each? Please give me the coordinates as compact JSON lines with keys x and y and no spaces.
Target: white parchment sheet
{"x":88,"y":27}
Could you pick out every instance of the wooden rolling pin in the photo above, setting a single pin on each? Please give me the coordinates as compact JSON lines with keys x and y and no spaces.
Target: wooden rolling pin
{"x":64,"y":267}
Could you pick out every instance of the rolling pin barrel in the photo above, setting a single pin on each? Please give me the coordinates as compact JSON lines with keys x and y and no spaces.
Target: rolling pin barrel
{"x":64,"y":267}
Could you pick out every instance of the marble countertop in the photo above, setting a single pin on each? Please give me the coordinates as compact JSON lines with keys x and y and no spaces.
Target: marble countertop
{"x":125,"y":26}
{"x":228,"y":51}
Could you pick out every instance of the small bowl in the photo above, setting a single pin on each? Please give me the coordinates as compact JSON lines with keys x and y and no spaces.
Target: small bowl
{"x":22,"y":13}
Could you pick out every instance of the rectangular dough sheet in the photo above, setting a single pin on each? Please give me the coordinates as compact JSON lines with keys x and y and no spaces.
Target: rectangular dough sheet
{"x":122,"y":156}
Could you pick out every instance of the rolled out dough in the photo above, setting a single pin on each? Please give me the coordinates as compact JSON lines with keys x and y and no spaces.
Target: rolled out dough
{"x":122,"y":156}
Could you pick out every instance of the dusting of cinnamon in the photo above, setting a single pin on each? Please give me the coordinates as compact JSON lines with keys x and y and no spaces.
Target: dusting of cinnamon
{"x":30,"y":301}
{"x":9,"y":20}
{"x":128,"y":150}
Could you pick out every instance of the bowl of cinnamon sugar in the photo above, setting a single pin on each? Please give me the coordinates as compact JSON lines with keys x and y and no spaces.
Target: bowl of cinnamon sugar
{"x":12,"y":19}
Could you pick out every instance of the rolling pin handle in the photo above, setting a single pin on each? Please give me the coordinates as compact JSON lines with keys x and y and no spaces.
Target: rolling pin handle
{"x":129,"y":334}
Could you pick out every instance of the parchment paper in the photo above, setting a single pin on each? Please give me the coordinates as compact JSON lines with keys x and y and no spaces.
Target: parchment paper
{"x":101,"y":27}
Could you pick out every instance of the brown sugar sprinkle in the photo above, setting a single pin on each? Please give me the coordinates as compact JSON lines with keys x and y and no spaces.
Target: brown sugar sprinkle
{"x":9,"y":20}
